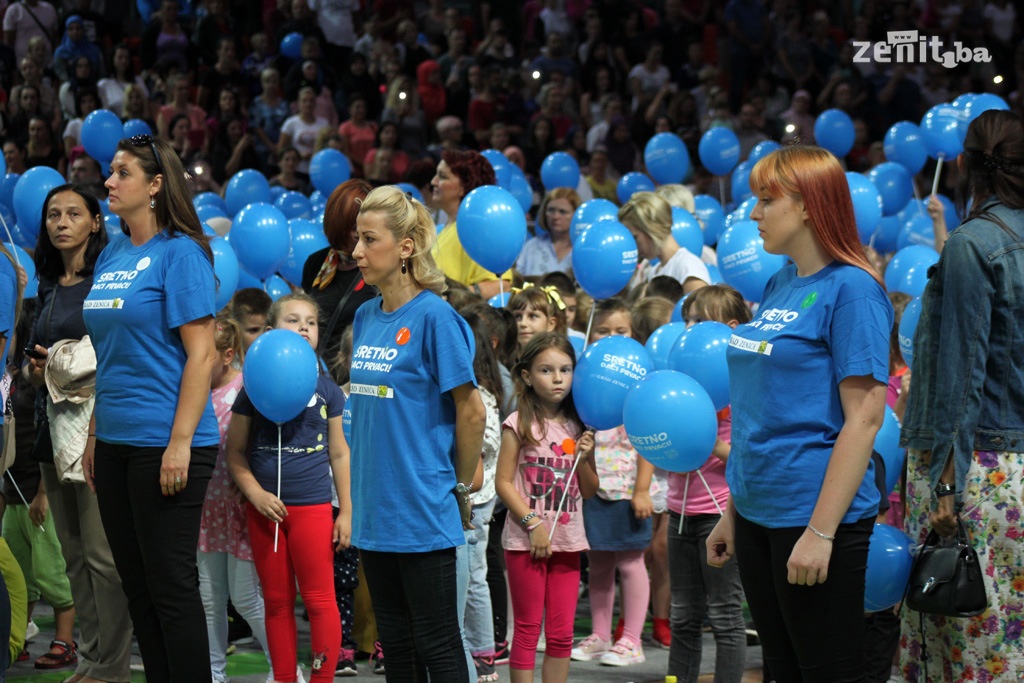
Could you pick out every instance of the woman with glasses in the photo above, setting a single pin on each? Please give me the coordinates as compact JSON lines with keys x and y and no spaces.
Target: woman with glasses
{"x":551,"y":248}
{"x":150,"y":317}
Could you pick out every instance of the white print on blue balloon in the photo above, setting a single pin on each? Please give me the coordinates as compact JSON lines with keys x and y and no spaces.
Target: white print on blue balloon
{"x":624,"y":366}
{"x":912,"y":48}
{"x":654,"y":442}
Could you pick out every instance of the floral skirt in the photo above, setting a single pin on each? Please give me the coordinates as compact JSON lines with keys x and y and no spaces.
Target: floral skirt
{"x":988,"y":647}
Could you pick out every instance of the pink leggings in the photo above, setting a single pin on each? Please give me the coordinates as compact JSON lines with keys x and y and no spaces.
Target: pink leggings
{"x":542,"y":590}
{"x":636,"y":591}
{"x":304,"y":552}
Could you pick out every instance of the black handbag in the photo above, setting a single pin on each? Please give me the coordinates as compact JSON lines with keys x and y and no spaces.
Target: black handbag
{"x":946,"y":578}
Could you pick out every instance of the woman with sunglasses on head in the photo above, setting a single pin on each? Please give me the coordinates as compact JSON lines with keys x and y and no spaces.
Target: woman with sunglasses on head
{"x":150,"y":316}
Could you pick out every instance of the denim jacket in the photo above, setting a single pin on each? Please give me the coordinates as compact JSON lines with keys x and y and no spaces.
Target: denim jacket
{"x":967,"y":391}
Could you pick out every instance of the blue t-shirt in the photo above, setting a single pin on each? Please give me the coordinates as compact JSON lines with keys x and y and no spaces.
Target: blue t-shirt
{"x":404,"y":366}
{"x":139,"y":297}
{"x":306,"y":461}
{"x":8,"y":303}
{"x":784,"y":373}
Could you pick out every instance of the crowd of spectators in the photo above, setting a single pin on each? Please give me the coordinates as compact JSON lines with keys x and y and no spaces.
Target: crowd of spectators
{"x":392,"y":83}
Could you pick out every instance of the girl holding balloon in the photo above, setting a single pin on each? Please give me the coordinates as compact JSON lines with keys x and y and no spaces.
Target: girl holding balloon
{"x":807,"y":388}
{"x":698,"y":589}
{"x":263,"y":459}
{"x":544,"y":465}
{"x":618,"y":523}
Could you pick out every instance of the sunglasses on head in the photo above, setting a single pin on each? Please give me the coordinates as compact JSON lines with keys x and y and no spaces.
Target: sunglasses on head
{"x":146,"y":140}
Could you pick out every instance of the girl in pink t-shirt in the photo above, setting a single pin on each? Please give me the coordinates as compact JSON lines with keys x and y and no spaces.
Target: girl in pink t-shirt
{"x":226,"y":567}
{"x":694,"y":509}
{"x":541,"y":444}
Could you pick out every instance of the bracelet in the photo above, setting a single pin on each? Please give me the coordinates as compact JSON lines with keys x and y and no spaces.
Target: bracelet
{"x":533,"y":526}
{"x":820,"y":535}
{"x":527,"y":518}
{"x":944,"y":489}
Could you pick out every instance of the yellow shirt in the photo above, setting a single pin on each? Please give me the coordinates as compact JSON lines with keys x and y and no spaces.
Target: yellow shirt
{"x":453,"y":260}
{"x":605,"y":190}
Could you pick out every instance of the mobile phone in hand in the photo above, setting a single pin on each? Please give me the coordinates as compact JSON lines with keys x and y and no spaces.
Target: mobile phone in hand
{"x":31,"y":352}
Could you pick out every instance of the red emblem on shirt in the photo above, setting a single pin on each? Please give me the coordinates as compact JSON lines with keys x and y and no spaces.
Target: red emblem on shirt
{"x":403,"y":336}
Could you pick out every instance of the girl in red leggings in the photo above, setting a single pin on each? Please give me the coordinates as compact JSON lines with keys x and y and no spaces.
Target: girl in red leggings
{"x":308,"y":535}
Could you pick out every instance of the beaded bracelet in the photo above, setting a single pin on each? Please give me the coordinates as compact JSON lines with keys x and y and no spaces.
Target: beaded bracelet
{"x":527,"y":518}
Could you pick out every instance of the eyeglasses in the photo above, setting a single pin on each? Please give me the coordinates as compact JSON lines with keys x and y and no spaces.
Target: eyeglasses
{"x":147,"y":140}
{"x":540,"y":480}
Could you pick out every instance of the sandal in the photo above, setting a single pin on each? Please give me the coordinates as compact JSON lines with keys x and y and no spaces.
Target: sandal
{"x":65,"y":655}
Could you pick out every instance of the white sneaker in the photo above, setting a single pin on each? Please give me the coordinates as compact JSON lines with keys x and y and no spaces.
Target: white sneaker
{"x":623,"y":653}
{"x":31,"y":631}
{"x":591,"y":647}
{"x":542,"y":643}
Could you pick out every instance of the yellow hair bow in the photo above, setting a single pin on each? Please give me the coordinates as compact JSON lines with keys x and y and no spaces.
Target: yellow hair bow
{"x":550,"y":291}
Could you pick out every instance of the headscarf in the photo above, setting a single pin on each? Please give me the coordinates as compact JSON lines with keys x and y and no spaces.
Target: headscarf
{"x":70,"y":50}
{"x":433,"y":98}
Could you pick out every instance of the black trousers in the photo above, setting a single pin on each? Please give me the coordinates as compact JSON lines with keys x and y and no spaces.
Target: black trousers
{"x":153,"y":539}
{"x":808,"y":633}
{"x":496,"y":574}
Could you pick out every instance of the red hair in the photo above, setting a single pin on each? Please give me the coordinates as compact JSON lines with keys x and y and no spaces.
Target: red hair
{"x":815,"y":177}
{"x":340,"y":214}
{"x":471,"y":168}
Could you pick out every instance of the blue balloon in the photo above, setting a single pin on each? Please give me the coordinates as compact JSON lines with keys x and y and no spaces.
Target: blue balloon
{"x":719,"y":150}
{"x":762,"y":149}
{"x":833,"y":130}
{"x":521,"y":189}
{"x":663,"y":340}
{"x":589,"y":213}
{"x":604,"y":259}
{"x":918,"y":230}
{"x":211,"y":198}
{"x":247,"y":280}
{"x":686,"y":231}
{"x":710,"y":213}
{"x":888,"y":571}
{"x":559,"y":169}
{"x":666,"y":158}
{"x":307,"y":237}
{"x":225,"y":267}
{"x":248,"y":186}
{"x":30,"y":194}
{"x":716,"y":275}
{"x":407,"y":188}
{"x":502,"y":166}
{"x":887,"y":445}
{"x":904,"y":145}
{"x":260,"y":238}
{"x":605,"y":373}
{"x":3,"y":166}
{"x":280,"y":375}
{"x":894,"y":186}
{"x":700,"y":353}
{"x":112,"y":224}
{"x":915,"y":207}
{"x":7,"y":189}
{"x":940,"y":128}
{"x":907,"y":329}
{"x":7,"y":216}
{"x":19,"y":237}
{"x":886,"y":234}
{"x":328,"y":169}
{"x":276,"y":287}
{"x":651,"y":414}
{"x":867,"y":204}
{"x":294,"y":205}
{"x":741,"y":212}
{"x":981,"y":102}
{"x":276,"y":192}
{"x":101,"y":131}
{"x":739,"y":182}
{"x":291,"y":45}
{"x":632,"y":183}
{"x":500,"y":300}
{"x":492,"y":227}
{"x":133,"y":127}
{"x":949,"y":212}
{"x":744,"y":263}
{"x":25,"y":261}
{"x":208,"y":211}
{"x":677,"y":311}
{"x":578,"y":345}
{"x":907,"y":272}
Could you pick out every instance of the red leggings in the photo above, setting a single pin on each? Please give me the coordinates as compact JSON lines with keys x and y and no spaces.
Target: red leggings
{"x":542,"y":590}
{"x":304,"y":552}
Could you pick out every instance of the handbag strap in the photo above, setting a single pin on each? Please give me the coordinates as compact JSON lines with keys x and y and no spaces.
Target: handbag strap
{"x":46,"y":31}
{"x":332,"y":323}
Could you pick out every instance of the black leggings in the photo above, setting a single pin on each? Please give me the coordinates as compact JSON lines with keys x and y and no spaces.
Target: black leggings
{"x":808,"y":633}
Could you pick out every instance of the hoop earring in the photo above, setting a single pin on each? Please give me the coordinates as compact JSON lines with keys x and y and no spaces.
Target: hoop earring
{"x":404,"y":269}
